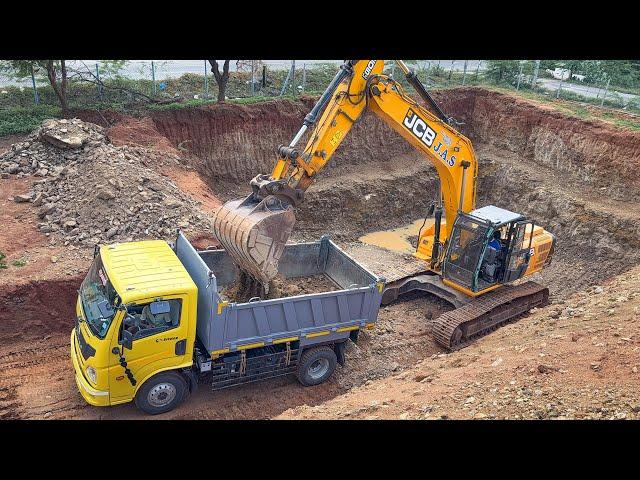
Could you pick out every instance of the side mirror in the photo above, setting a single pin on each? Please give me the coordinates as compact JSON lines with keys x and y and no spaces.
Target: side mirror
{"x":127,"y":339}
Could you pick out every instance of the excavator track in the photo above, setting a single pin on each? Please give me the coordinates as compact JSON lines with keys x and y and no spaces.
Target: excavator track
{"x":458,"y":328}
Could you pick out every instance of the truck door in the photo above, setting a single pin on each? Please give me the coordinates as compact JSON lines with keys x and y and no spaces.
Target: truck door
{"x":159,"y":341}
{"x":518,"y":255}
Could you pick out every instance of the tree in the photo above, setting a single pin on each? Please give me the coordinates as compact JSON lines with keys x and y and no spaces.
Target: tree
{"x":55,"y":71}
{"x":501,"y":71}
{"x":221,"y":78}
{"x":60,"y":73}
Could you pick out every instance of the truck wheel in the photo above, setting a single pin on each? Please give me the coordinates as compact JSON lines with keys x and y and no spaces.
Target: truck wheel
{"x":161,"y":393}
{"x":316,"y":366}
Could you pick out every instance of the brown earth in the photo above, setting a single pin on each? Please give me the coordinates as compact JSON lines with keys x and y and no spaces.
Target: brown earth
{"x":576,"y":178}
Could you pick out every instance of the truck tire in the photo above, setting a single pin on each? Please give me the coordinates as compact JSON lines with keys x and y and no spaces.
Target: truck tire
{"x":161,"y":393}
{"x":316,"y":365}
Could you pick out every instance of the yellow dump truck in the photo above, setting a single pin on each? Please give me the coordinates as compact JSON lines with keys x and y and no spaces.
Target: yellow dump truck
{"x":151,"y":323}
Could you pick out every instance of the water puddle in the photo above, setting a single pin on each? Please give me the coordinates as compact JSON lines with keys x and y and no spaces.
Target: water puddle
{"x":396,"y":240}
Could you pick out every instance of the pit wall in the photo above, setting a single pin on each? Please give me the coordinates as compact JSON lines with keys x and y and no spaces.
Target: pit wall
{"x":235,"y":142}
{"x":598,"y":153}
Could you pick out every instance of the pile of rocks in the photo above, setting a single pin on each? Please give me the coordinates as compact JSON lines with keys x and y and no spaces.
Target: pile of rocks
{"x":97,"y":192}
{"x":55,"y":144}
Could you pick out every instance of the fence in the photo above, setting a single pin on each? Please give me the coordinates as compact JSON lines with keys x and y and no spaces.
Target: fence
{"x":98,"y":84}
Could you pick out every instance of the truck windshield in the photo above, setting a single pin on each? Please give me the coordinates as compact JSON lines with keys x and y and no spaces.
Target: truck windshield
{"x":98,"y":299}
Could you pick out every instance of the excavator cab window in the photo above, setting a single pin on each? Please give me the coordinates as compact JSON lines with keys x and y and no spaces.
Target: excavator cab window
{"x":465,"y":250}
{"x":517,"y":260}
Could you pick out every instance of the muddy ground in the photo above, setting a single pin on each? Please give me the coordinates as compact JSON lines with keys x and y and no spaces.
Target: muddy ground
{"x":575,"y":178}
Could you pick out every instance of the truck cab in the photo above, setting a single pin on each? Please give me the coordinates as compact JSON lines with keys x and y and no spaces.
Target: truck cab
{"x":137,"y":307}
{"x":491,"y":246}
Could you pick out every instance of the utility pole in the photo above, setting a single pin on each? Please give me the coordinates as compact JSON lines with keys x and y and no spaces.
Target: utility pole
{"x":36,"y":98}
{"x":98,"y":87}
{"x":535,"y":75}
{"x":519,"y":76}
{"x":206,"y":81}
{"x":478,"y":69}
{"x":559,"y":87}
{"x":464,"y":72}
{"x":304,"y":76}
{"x":293,"y":78}
{"x":605,"y":92}
{"x":252,"y":78}
{"x":153,"y":77}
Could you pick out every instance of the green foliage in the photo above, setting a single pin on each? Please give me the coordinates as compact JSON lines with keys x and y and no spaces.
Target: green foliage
{"x":16,"y":120}
{"x":502,"y":71}
{"x":19,"y":263}
{"x":3,"y":264}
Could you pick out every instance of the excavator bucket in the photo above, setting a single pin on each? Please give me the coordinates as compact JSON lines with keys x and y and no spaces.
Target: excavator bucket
{"x":254,"y":234}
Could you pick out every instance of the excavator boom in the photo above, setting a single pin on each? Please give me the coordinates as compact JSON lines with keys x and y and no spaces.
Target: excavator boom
{"x":254,"y":230}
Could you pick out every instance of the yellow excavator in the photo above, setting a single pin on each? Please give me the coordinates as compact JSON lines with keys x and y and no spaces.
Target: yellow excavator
{"x":469,"y":256}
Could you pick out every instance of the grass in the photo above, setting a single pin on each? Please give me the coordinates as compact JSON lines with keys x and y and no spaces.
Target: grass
{"x":19,"y":263}
{"x":579,"y":107}
{"x":17,"y":120}
{"x":3,"y":264}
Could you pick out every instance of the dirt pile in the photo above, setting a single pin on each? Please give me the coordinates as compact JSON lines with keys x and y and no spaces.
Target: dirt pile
{"x":245,"y":288}
{"x":99,"y":192}
{"x":575,"y":359}
{"x":48,"y":149}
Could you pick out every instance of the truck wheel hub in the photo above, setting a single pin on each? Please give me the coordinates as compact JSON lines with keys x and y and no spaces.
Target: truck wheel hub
{"x":318,"y":368}
{"x":162,"y":394}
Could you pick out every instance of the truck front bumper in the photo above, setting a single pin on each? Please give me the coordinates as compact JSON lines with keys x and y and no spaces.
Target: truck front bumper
{"x":98,"y":398}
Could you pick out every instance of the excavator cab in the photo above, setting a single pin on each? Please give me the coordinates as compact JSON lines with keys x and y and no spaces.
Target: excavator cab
{"x":488,"y":247}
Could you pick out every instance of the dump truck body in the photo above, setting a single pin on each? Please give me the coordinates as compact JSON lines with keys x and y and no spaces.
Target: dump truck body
{"x":282,"y":327}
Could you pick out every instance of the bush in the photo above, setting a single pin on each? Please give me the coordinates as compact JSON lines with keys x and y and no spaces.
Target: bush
{"x":16,"y":120}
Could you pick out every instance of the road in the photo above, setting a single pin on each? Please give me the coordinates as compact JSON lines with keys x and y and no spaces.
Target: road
{"x":551,"y":84}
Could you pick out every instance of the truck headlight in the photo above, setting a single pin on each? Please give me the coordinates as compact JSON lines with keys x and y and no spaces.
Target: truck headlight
{"x":91,"y":373}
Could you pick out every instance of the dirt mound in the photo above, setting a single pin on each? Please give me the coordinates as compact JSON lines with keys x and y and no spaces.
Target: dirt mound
{"x":52,"y":146}
{"x":245,"y":288}
{"x":102,"y":192}
{"x":37,"y":309}
{"x":571,"y":360}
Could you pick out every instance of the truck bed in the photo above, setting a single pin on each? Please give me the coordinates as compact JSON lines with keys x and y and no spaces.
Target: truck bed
{"x":312,"y":318}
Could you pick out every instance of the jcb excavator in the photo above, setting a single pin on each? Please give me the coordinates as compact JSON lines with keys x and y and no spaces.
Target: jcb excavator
{"x":470,"y":255}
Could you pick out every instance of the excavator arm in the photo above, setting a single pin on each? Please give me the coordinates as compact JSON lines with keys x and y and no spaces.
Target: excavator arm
{"x":254,"y":230}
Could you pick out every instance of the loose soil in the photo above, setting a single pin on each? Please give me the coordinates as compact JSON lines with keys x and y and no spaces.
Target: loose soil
{"x":246,"y":288}
{"x":576,"y":358}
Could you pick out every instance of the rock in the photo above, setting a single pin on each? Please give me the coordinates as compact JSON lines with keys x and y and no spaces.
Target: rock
{"x":69,"y":224}
{"x":46,"y":209}
{"x":54,"y":259}
{"x":106,"y":194}
{"x":38,"y":199}
{"x":546,"y":369}
{"x":23,"y":198}
{"x":111,"y":233}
